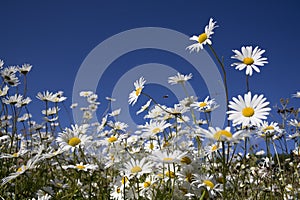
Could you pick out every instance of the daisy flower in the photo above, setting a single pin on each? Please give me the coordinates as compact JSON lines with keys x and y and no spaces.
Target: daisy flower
{"x":31,"y":163}
{"x":52,"y":153}
{"x":297,"y":95}
{"x":296,"y":151}
{"x":134,"y":95}
{"x":294,"y":136}
{"x":121,"y":126}
{"x":154,"y":127}
{"x":24,"y":102}
{"x":25,"y":68}
{"x":179,"y":79}
{"x":9,"y":75}
{"x":210,"y":149}
{"x":151,"y":145}
{"x":207,"y":182}
{"x":156,"y":112}
{"x":206,"y":105}
{"x":167,"y":157}
{"x":188,"y":101}
{"x":58,"y":97}
{"x":137,"y":167}
{"x":73,"y":138}
{"x":20,"y":153}
{"x":51,"y":111}
{"x":115,"y":113}
{"x":73,"y":105}
{"x":13,"y":100}
{"x":178,"y":109}
{"x":144,"y":107}
{"x":85,"y":93}
{"x":148,"y":184}
{"x":4,"y":91}
{"x":92,"y":99}
{"x":250,"y":59}
{"x":203,"y":38}
{"x":295,"y":123}
{"x":217,"y":134}
{"x":248,"y":110}
{"x":81,"y":167}
{"x":1,"y":63}
{"x":24,"y":117}
{"x":268,"y":129}
{"x":45,"y":96}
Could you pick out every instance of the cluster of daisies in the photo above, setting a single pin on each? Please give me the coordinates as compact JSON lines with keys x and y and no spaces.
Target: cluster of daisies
{"x":176,"y":153}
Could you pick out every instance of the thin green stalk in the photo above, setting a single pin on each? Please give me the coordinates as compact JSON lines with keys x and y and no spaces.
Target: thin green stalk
{"x":247,"y":83}
{"x":224,"y":77}
{"x":224,"y":170}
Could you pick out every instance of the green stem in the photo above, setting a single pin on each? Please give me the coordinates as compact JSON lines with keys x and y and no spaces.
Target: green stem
{"x":224,"y":171}
{"x":224,"y":76}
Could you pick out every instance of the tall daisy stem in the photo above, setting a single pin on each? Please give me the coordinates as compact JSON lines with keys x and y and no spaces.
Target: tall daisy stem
{"x":224,"y":170}
{"x":224,"y":76}
{"x":247,"y":83}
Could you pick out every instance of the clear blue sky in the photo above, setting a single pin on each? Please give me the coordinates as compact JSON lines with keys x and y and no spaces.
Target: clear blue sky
{"x":56,"y":36}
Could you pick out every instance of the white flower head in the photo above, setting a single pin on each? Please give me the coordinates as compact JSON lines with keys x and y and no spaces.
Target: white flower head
{"x":73,"y":138}
{"x":25,"y":68}
{"x":206,"y":105}
{"x":137,"y":167}
{"x":144,"y":107}
{"x":154,"y":127}
{"x":297,"y":95}
{"x":134,"y":95}
{"x":85,"y":93}
{"x":217,"y":134}
{"x":248,"y":111}
{"x":203,"y":38}
{"x":179,"y":79}
{"x":115,"y":113}
{"x":250,"y":59}
{"x":4,"y":91}
{"x":1,"y":64}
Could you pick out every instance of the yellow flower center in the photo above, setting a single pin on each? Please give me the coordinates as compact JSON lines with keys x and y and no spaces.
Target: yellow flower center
{"x":248,"y":112}
{"x":186,"y":160}
{"x":138,"y":91}
{"x":221,"y":133}
{"x":202,"y":104}
{"x":74,"y":141}
{"x":268,"y":128}
{"x":118,"y":190}
{"x":21,"y":169}
{"x":209,"y":184}
{"x":112,"y":139}
{"x":151,"y":146}
{"x":136,"y":169}
{"x":55,"y":99}
{"x":80,"y":167}
{"x":124,"y":180}
{"x":188,"y":177}
{"x":147,"y":184}
{"x":298,"y":125}
{"x":168,"y":159}
{"x":248,"y":61}
{"x":214,"y":147}
{"x":170,"y":174}
{"x":15,"y":155}
{"x":202,"y":38}
{"x":166,"y":143}
{"x":156,"y":130}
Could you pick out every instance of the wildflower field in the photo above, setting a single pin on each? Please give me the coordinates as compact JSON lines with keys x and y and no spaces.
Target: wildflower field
{"x":177,"y":153}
